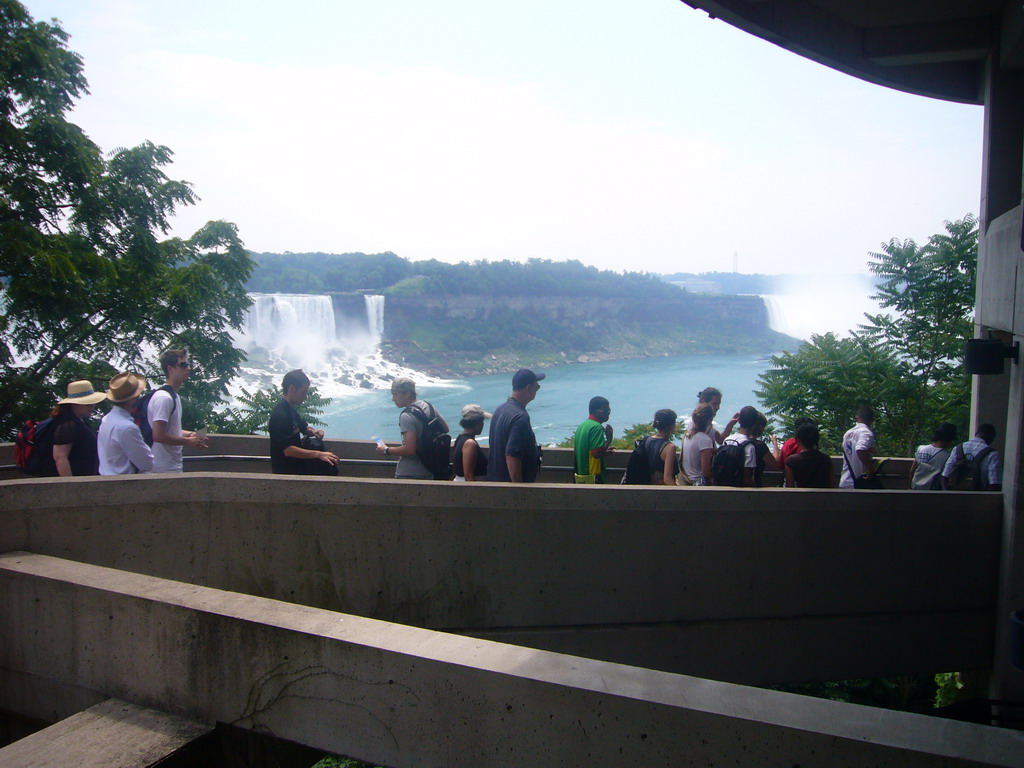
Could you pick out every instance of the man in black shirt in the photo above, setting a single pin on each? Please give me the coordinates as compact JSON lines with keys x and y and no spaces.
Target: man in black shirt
{"x":287,"y":456}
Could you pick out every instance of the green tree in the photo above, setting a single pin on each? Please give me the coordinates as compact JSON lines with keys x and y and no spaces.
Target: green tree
{"x":86,"y":283}
{"x":828,"y":379}
{"x":252,"y":413}
{"x":907,"y":364}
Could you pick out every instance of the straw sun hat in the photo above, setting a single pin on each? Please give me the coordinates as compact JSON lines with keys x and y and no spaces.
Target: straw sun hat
{"x":125,"y":386}
{"x":82,"y":393}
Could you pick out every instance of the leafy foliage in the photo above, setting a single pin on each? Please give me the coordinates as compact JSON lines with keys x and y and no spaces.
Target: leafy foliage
{"x":393,"y":275}
{"x":947,"y":688}
{"x":86,"y":285}
{"x":913,"y":693}
{"x":331,"y":761}
{"x":907,"y":364}
{"x":251,"y":414}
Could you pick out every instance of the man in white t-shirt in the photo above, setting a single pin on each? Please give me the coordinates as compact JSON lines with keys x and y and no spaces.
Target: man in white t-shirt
{"x":164,"y":414}
{"x":858,"y":449}
{"x":747,"y":419}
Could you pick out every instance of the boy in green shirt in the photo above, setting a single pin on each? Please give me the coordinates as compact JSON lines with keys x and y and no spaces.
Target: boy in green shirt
{"x":592,"y":443}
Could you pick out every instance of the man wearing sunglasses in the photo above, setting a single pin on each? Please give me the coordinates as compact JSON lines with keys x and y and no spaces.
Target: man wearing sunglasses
{"x":164,"y":414}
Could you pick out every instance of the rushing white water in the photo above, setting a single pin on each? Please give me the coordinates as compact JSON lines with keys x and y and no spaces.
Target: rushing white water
{"x":297,"y":329}
{"x":375,"y":315}
{"x":287,"y":331}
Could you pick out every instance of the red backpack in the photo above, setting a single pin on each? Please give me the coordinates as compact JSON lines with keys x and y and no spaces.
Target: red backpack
{"x":33,"y":449}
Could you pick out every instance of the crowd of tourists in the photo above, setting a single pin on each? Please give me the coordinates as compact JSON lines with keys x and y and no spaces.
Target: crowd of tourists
{"x":142,"y":433}
{"x":709,"y":454}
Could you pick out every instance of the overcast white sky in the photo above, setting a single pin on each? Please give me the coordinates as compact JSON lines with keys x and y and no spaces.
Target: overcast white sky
{"x":628,"y":134}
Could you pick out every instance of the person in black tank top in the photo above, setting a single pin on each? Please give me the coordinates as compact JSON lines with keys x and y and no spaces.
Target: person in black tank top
{"x":468,"y":459}
{"x":73,"y":444}
{"x":661,"y":451}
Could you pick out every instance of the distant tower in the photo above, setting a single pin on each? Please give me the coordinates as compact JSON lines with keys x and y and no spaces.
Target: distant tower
{"x":735,"y":262}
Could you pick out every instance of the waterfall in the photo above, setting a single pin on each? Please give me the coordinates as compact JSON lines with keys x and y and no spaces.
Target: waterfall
{"x":777,"y":318}
{"x":335,"y":340}
{"x":294,"y":328}
{"x":375,"y":315}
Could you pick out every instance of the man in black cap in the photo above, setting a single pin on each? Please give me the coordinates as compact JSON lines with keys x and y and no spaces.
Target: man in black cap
{"x":513,"y":455}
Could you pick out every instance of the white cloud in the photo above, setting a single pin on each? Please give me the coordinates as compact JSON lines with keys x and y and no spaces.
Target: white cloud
{"x":667,"y":147}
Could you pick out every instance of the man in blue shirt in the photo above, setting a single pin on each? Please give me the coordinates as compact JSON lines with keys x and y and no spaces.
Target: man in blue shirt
{"x":513,"y":455}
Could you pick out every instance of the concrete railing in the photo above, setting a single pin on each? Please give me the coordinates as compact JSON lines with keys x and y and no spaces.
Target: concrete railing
{"x":757,"y":586}
{"x":250,"y":453}
{"x":72,"y":634}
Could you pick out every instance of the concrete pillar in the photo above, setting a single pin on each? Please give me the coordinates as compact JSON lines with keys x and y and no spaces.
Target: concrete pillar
{"x":1002,"y":169}
{"x":1008,"y":683}
{"x":1000,"y":305}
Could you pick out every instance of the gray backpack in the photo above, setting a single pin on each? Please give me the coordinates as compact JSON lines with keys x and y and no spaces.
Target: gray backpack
{"x":928,"y":475}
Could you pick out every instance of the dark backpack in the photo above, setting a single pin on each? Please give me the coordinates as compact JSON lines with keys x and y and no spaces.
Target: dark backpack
{"x":727,"y":464}
{"x":434,"y":446}
{"x":966,"y":474}
{"x":638,"y":470}
{"x":140,"y":413}
{"x":33,"y":448}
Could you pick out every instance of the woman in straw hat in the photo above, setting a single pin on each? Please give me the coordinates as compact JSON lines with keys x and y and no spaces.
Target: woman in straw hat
{"x":74,"y":442}
{"x":121,"y":447}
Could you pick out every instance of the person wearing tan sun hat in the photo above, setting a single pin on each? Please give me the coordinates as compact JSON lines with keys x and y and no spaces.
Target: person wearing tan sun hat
{"x":121,"y":447}
{"x":73,"y":445}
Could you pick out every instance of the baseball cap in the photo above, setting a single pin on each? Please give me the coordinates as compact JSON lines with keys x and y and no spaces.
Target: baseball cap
{"x":473,"y":412}
{"x":524,"y":377}
{"x":403,"y":384}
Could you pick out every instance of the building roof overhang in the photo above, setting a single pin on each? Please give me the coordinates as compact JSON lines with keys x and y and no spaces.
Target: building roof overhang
{"x":936,"y":48}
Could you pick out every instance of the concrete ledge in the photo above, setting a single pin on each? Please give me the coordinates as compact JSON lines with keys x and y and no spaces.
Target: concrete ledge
{"x":113,"y":734}
{"x":549,"y":562}
{"x":248,"y":453}
{"x":403,"y":696}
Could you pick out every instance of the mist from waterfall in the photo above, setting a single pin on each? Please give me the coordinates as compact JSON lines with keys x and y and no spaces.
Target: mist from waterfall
{"x":819,"y":304}
{"x":340,"y":354}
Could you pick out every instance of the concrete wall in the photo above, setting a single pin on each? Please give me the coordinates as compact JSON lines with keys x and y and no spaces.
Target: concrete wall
{"x":402,"y":696}
{"x":754,"y":586}
{"x":249,"y":453}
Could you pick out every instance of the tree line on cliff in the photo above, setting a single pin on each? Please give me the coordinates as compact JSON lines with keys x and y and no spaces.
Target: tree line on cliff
{"x":391,"y":274}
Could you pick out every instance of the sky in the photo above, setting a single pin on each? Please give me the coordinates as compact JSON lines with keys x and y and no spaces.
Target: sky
{"x":627,"y":134}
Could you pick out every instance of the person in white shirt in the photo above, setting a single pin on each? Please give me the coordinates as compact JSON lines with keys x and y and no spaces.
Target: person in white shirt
{"x":930,"y":459}
{"x":698,"y":448}
{"x":122,"y":451}
{"x":748,"y":419}
{"x":858,"y":449}
{"x":990,"y":471}
{"x":164,"y":414}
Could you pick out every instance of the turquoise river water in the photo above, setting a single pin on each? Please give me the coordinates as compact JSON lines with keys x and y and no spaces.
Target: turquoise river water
{"x":636,"y":389}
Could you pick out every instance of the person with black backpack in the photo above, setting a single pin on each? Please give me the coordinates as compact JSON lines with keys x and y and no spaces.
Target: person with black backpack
{"x":735,"y":463}
{"x":163,"y":414}
{"x":653,"y":460}
{"x":974,"y":465}
{"x":423,"y":454}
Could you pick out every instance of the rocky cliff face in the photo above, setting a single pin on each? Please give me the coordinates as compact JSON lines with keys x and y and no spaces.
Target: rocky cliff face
{"x":471,"y":334}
